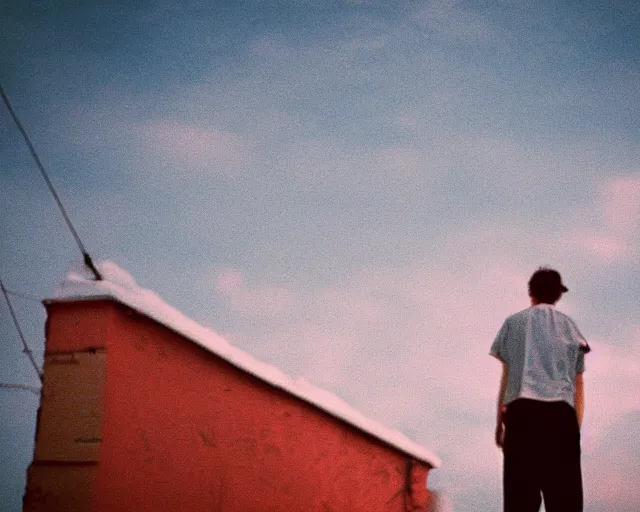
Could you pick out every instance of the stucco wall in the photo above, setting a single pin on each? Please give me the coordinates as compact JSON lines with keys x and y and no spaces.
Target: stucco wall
{"x":68,"y":434}
{"x":184,"y":430}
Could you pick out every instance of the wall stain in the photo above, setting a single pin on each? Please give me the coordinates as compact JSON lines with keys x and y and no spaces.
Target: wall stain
{"x":206,"y":440}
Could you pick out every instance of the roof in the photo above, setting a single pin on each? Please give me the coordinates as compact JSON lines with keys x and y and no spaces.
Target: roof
{"x":119,"y":285}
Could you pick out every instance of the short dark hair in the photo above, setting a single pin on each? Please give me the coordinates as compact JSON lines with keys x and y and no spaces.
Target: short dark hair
{"x":546,"y":285}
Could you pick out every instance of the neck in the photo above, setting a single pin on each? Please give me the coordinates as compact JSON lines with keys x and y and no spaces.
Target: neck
{"x":535,"y":302}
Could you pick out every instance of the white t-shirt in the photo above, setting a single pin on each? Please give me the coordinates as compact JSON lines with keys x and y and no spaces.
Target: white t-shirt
{"x":542,"y":348}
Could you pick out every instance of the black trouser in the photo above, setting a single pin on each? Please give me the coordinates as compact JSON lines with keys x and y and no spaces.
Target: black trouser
{"x":541,"y":455}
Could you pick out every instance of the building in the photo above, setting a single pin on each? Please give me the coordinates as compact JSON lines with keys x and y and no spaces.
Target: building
{"x":143,"y":409}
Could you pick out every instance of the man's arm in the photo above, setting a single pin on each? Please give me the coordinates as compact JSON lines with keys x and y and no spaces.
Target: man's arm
{"x":500,"y":411}
{"x":579,"y":398}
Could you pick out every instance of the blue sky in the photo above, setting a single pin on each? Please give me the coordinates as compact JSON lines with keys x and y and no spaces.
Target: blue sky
{"x":354,"y":191}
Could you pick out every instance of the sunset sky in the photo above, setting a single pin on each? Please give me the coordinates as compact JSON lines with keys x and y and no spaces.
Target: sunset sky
{"x":354,"y":191}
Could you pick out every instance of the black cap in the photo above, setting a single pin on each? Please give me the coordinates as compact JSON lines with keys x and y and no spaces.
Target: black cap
{"x":546,"y":282}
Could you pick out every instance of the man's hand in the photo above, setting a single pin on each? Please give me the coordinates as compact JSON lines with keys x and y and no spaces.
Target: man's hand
{"x":500,"y":435}
{"x":502,"y":409}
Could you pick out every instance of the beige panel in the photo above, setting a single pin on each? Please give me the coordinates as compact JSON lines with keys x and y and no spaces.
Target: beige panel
{"x":71,"y":408}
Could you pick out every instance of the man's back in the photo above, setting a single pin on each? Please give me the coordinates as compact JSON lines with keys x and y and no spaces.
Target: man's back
{"x":541,"y":346}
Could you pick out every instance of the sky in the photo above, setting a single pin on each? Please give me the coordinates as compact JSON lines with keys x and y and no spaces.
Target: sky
{"x":354,"y":191}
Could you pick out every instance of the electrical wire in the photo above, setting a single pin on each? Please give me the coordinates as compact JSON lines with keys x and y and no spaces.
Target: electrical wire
{"x":87,"y":259}
{"x":26,"y":349}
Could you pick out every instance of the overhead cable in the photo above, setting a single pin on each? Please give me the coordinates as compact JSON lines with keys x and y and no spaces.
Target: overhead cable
{"x":87,"y":259}
{"x":26,"y":349}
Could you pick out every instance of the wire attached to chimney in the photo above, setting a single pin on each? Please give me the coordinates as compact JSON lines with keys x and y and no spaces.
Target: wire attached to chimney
{"x":87,"y":259}
{"x":26,"y":349}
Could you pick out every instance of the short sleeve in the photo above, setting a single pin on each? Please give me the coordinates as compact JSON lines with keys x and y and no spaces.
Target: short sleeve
{"x":498,"y":349}
{"x":578,"y":338}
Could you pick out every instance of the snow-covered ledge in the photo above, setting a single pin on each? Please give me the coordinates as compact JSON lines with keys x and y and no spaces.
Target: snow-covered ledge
{"x":119,"y":285}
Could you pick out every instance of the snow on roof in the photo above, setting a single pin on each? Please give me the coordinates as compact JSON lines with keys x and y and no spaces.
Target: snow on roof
{"x":121,"y":286}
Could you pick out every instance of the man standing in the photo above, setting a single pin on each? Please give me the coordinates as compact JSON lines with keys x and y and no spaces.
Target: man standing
{"x":541,"y":402}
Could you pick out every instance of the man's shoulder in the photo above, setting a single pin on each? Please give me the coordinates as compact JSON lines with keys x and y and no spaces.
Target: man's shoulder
{"x":518,"y":317}
{"x":563,"y":316}
{"x":533,"y":311}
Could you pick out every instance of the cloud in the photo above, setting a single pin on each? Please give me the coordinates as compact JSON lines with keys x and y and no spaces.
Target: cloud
{"x":270,"y":48}
{"x":612,"y":379}
{"x":140,"y":138}
{"x":184,"y":147}
{"x":440,"y":502}
{"x":620,"y":199}
{"x":251,"y":301}
{"x":408,"y":346}
{"x":402,"y":161}
{"x":605,"y":248}
{"x":612,"y":235}
{"x":450,"y":20}
{"x":611,"y":477}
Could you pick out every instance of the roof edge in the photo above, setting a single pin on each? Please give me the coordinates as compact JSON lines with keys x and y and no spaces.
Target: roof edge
{"x":81,"y":289}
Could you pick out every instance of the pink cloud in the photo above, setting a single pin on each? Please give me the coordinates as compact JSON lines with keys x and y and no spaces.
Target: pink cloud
{"x":264,"y":300}
{"x":610,"y":472}
{"x":327,"y":353}
{"x":607,"y":249}
{"x":614,"y":219}
{"x":613,"y":489}
{"x":621,"y":204}
{"x":406,"y":122}
{"x":187,"y":147}
{"x":400,"y":161}
{"x":227,"y":280}
{"x":408,"y":345}
{"x":612,"y":380}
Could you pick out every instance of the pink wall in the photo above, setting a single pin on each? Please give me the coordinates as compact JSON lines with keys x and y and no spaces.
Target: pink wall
{"x":184,"y":430}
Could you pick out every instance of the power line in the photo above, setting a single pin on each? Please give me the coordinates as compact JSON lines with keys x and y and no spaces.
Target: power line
{"x":26,"y":349}
{"x":87,"y":259}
